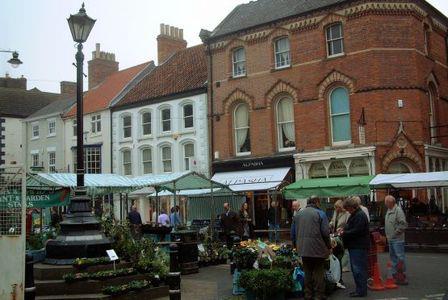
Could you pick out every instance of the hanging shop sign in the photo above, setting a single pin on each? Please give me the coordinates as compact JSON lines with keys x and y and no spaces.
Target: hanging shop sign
{"x":35,"y":198}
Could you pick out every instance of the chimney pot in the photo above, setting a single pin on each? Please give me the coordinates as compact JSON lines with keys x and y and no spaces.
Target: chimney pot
{"x":169,"y":42}
{"x":102,"y":65}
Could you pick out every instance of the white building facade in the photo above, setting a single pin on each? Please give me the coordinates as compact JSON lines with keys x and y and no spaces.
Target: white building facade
{"x":164,"y":137}
{"x":97,"y":150}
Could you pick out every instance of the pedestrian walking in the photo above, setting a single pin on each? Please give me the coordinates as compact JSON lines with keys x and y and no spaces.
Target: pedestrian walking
{"x":355,"y":236}
{"x":135,"y":221}
{"x":395,"y":225}
{"x":245,"y":221}
{"x":295,"y":211}
{"x":174,"y":217}
{"x":313,"y":245}
{"x":274,"y":222}
{"x":230,"y":224}
{"x":338,"y":221}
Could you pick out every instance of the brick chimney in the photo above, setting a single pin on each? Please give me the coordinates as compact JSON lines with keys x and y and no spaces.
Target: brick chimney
{"x":68,"y":88}
{"x":169,"y":41}
{"x":102,"y":65}
{"x":13,"y":83}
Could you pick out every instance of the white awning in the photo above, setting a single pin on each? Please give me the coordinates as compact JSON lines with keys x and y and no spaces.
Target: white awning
{"x":410,"y":180}
{"x":252,"y":180}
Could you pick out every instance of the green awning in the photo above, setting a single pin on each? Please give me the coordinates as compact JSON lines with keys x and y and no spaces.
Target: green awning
{"x":328,"y":187}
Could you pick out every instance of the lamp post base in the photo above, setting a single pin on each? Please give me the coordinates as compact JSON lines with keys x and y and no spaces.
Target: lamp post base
{"x":81,"y":235}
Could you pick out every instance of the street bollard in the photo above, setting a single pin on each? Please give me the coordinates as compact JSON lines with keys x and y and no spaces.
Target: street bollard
{"x":30,"y":288}
{"x":174,"y":274}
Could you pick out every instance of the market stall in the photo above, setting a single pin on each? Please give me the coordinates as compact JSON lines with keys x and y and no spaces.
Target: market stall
{"x":328,"y":187}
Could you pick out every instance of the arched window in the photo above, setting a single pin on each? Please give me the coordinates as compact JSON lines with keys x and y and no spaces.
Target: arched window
{"x":340,"y":116}
{"x":126,"y":159}
{"x":166,"y":159}
{"x":188,"y":116}
{"x":432,"y":115}
{"x":398,"y":167}
{"x":188,"y":156}
{"x":241,"y":129}
{"x":146,"y":122}
{"x":146,"y":160}
{"x":282,"y":53}
{"x":285,"y":124}
{"x":239,"y":62}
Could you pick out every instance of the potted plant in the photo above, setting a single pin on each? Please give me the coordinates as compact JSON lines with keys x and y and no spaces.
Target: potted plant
{"x":264,"y":263}
{"x":244,"y":258}
{"x":266,"y":284}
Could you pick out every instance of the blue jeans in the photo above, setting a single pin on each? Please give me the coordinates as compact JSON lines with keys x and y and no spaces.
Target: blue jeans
{"x":273,"y":227}
{"x":358,"y":263}
{"x":396,"y":252}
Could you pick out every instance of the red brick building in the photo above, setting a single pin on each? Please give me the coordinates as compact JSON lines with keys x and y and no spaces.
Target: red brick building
{"x":329,"y":88}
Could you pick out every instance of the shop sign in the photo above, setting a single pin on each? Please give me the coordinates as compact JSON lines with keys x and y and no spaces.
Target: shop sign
{"x":35,"y":198}
{"x":247,"y":180}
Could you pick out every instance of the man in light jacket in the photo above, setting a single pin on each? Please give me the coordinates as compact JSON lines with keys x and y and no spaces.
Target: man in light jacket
{"x":395,"y":225}
{"x":313,"y":245}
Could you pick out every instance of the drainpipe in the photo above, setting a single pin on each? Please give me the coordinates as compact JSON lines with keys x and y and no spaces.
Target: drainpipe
{"x":205,"y":37}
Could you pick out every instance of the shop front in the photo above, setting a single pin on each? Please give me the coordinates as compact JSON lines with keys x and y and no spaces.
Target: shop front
{"x":259,"y":180}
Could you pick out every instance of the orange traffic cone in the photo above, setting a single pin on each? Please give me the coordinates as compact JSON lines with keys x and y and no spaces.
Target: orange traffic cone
{"x":390,"y":281}
{"x":377,"y":283}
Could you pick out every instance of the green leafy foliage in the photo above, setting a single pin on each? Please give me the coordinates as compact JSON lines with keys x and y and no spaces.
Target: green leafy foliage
{"x":86,"y":262}
{"x":244,"y":258}
{"x":266,"y":283}
{"x":135,"y":285}
{"x":37,"y":241}
{"x":101,"y":275}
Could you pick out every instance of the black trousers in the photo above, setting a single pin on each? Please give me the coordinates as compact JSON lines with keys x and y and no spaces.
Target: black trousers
{"x":314,"y":269}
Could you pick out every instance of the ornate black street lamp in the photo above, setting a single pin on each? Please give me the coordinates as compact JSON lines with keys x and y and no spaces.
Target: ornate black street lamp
{"x":80,"y":234}
{"x":80,"y":26}
{"x":14,"y":61}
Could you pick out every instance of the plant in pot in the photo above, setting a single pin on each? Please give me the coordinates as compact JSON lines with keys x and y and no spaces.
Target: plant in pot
{"x":264,"y":263}
{"x":282,"y":262}
{"x":266,"y":284}
{"x":244,"y":258}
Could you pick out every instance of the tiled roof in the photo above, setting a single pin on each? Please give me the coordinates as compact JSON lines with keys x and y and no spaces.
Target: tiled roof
{"x":184,"y":71}
{"x":21,"y":103}
{"x":99,"y":98}
{"x":260,"y":12}
{"x":55,"y":107}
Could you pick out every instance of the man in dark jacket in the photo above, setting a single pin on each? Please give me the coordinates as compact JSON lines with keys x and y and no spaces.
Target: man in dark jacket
{"x":230,"y":224}
{"x":313,"y":244}
{"x":355,"y":236}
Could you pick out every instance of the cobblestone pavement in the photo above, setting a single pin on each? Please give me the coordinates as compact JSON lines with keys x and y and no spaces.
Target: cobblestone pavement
{"x":427,"y":272}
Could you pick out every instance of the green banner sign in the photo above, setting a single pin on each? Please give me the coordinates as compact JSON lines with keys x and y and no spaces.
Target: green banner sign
{"x":35,"y":198}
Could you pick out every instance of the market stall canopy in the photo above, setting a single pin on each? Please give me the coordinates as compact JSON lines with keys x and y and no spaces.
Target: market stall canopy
{"x":96,"y":184}
{"x":410,"y":180}
{"x":252,"y":180}
{"x":328,"y":187}
{"x":178,"y":182}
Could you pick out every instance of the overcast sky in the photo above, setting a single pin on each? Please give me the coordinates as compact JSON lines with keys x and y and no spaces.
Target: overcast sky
{"x":38,"y":30}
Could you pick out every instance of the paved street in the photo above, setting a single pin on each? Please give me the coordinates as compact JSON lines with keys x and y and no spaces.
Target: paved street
{"x":428,"y":277}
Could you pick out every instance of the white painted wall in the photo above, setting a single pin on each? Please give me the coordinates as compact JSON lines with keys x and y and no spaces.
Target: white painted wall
{"x":176,"y":138}
{"x":90,"y":138}
{"x":45,"y":143}
{"x":13,"y":141}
